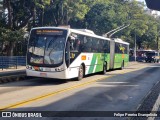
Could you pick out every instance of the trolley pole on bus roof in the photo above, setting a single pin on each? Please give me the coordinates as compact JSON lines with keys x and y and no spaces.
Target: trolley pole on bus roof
{"x":118,"y":30}
{"x":112,"y":32}
{"x":107,"y":34}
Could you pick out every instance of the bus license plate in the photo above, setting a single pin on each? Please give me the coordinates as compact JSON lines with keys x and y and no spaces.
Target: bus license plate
{"x":43,"y":74}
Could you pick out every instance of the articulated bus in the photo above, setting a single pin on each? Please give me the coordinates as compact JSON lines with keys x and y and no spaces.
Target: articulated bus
{"x":64,"y":53}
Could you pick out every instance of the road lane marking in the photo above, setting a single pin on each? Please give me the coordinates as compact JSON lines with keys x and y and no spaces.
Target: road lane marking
{"x":50,"y":94}
{"x":22,"y":103}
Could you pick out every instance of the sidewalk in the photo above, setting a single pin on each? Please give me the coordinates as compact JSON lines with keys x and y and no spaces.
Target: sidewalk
{"x":13,"y":71}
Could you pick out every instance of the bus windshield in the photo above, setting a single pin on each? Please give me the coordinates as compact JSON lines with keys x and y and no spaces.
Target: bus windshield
{"x":46,"y":47}
{"x":151,"y":54}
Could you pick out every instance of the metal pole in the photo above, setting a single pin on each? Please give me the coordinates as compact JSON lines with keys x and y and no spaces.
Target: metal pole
{"x":157,"y":43}
{"x":16,"y":54}
{"x":118,"y":30}
{"x":106,"y":34}
{"x":2,"y":54}
{"x":135,"y":47}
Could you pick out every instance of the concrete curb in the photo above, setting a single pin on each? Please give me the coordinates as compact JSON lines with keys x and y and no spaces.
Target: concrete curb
{"x":12,"y":78}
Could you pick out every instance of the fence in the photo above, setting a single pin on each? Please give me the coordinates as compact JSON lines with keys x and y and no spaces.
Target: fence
{"x":12,"y":61}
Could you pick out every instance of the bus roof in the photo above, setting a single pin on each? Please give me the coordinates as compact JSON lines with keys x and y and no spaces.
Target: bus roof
{"x":78,"y":31}
{"x":83,"y":32}
{"x":118,"y":40}
{"x":146,"y":50}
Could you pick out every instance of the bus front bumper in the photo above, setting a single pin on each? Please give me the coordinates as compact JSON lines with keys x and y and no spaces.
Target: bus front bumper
{"x":50,"y":74}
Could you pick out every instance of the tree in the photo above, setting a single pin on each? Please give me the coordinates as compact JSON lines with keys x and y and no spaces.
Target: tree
{"x":61,"y":12}
{"x":104,"y":17}
{"x":21,"y":13}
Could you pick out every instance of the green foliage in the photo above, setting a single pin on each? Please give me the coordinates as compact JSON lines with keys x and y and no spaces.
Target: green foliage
{"x":100,"y":16}
{"x":61,"y":12}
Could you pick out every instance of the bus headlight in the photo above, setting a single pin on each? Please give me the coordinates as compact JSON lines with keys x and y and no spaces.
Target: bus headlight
{"x":28,"y":67}
{"x":59,"y":69}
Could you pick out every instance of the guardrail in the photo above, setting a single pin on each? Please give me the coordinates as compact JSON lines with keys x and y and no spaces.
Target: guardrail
{"x":12,"y":61}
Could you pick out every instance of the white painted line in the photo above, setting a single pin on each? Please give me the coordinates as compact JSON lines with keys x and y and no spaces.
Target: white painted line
{"x":155,"y":107}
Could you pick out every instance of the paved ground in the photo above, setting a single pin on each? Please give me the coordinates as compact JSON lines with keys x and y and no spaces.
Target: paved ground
{"x":120,"y":90}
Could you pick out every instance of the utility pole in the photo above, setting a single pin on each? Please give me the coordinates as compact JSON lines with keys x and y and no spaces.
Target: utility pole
{"x":135,"y":47}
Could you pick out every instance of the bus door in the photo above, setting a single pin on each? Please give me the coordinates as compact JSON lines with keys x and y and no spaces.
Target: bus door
{"x":67,"y":53}
{"x":72,"y":50}
{"x":112,"y":54}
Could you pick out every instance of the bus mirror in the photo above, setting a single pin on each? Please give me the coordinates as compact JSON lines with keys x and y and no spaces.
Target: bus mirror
{"x":71,"y":46}
{"x":26,"y":36}
{"x":71,"y":40}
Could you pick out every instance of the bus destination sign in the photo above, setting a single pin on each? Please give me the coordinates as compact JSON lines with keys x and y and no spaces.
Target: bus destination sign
{"x":49,"y":32}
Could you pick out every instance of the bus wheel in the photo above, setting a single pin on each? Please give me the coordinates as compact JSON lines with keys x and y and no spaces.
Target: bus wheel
{"x":122,"y":65}
{"x":80,"y":73}
{"x":104,"y":68}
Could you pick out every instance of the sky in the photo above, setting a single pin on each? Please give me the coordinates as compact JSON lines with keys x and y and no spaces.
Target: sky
{"x":142,"y":1}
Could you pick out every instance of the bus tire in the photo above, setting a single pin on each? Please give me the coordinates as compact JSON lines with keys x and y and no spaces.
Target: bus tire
{"x":81,"y":72}
{"x":122,"y":66}
{"x":104,"y":68}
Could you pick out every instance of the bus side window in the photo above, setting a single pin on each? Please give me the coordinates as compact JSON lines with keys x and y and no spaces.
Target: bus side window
{"x":88,"y":45}
{"x":100,"y":46}
{"x":116,"y":48}
{"x":67,"y":53}
{"x":105,"y":46}
{"x":81,"y":43}
{"x":75,"y":42}
{"x":95,"y":45}
{"x":76,"y":45}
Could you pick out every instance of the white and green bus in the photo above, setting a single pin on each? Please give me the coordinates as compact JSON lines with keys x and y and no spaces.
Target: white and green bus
{"x":64,"y":53}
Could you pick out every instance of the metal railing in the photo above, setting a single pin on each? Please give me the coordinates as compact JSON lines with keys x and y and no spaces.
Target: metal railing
{"x":7,"y":62}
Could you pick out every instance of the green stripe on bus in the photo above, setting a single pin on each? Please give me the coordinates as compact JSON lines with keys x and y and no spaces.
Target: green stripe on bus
{"x":100,"y":59}
{"x":91,"y":68}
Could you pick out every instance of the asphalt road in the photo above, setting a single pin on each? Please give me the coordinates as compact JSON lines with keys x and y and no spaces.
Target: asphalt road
{"x":119,"y":90}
